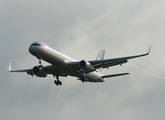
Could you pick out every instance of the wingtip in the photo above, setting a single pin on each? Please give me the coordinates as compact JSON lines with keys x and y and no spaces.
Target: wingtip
{"x":9,"y":67}
{"x":149,"y":50}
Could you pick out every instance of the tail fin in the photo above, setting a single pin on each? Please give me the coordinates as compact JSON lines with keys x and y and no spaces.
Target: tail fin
{"x":100,"y":56}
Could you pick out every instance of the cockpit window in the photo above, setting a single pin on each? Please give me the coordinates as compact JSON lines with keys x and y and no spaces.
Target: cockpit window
{"x":36,"y":44}
{"x":41,"y":44}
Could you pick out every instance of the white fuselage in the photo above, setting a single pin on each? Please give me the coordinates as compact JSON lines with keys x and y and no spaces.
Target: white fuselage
{"x":61,"y":62}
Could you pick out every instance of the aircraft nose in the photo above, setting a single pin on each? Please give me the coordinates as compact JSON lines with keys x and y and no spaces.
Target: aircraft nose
{"x":30,"y":49}
{"x":36,"y":47}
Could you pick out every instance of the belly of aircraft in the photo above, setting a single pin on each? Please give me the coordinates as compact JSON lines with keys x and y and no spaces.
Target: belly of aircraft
{"x":94,"y":77}
{"x":91,"y":77}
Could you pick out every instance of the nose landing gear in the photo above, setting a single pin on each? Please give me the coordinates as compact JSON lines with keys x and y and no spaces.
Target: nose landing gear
{"x":39,"y":58}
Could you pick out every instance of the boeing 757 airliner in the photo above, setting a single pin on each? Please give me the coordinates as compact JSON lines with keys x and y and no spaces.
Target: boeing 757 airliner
{"x":62,"y":65}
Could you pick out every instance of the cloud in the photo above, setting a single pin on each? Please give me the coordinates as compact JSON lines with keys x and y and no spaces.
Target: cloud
{"x":74,"y":27}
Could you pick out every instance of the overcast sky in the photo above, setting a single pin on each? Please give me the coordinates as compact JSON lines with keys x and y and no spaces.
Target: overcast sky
{"x":79,"y":28}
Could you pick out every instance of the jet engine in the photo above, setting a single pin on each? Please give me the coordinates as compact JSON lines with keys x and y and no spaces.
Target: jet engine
{"x":86,"y":66}
{"x":39,"y":71}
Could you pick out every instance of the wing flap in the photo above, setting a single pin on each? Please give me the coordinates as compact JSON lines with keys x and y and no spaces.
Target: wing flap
{"x":109,"y":64}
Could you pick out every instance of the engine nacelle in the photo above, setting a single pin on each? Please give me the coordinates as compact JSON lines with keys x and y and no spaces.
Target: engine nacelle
{"x":86,"y":66}
{"x":83,"y":64}
{"x":39,"y":72}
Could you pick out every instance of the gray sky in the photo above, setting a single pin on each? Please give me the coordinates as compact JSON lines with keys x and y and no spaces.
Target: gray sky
{"x":79,"y":29}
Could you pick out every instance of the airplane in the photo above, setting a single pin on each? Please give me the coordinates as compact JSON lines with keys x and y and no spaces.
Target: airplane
{"x":63,"y":66}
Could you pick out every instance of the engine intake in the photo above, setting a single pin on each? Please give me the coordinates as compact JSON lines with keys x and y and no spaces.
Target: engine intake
{"x":86,"y":66}
{"x":82,"y":64}
{"x":39,"y":72}
{"x":36,"y":69}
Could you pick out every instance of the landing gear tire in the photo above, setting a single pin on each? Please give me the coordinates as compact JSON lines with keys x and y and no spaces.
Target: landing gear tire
{"x":57,"y":82}
{"x":84,"y":80}
{"x":60,"y":83}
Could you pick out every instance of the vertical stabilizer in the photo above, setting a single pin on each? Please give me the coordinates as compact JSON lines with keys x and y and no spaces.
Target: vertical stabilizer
{"x":100,"y":56}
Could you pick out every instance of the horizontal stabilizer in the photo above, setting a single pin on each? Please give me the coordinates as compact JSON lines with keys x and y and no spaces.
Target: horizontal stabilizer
{"x":114,"y":75}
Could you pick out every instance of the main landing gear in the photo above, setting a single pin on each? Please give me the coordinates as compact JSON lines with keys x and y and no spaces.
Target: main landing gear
{"x":84,"y":79}
{"x":57,"y":82}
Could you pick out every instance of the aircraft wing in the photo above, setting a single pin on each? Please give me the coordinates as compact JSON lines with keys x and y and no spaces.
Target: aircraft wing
{"x":96,"y":64}
{"x":50,"y":69}
{"x":114,"y":61}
